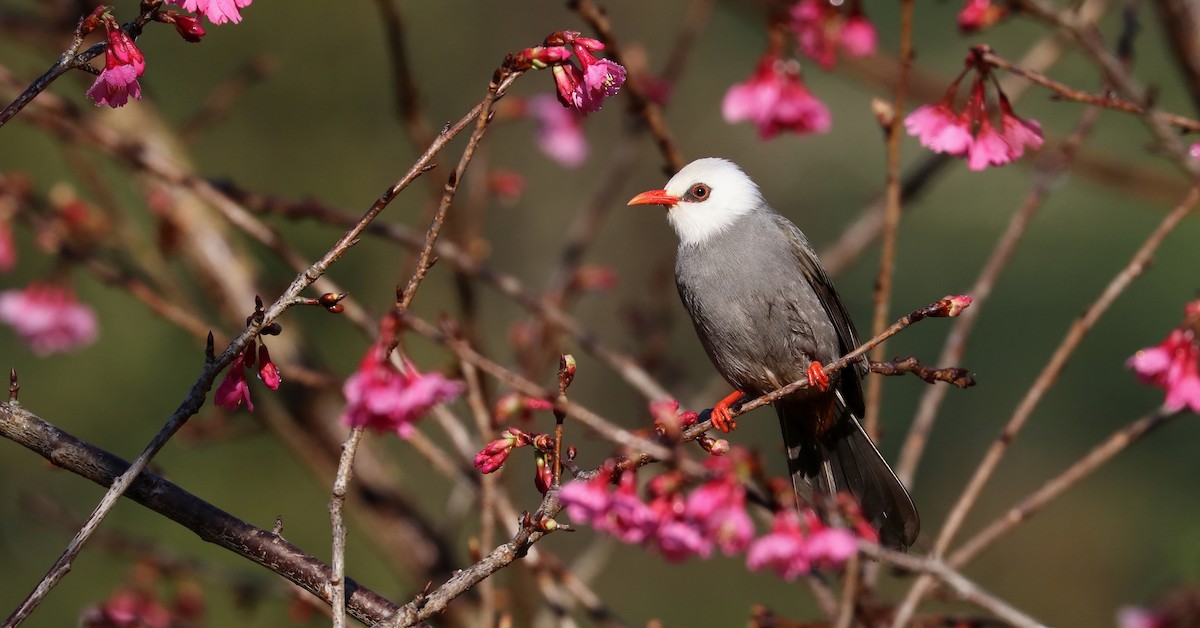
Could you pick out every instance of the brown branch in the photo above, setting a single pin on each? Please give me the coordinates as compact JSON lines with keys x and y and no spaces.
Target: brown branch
{"x":1104,"y":101}
{"x":1045,"y":379}
{"x":891,"y":215}
{"x":207,"y":521}
{"x":961,"y":378}
{"x":1119,"y":441}
{"x":1049,"y":169}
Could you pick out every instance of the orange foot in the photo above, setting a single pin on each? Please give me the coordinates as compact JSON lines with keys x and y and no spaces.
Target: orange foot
{"x":720,"y":413}
{"x":816,"y":377}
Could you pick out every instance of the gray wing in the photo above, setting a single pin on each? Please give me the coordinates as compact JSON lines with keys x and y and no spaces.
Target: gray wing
{"x":850,"y":385}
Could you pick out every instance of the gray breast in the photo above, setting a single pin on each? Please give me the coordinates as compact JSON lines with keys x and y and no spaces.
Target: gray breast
{"x":753,"y":307}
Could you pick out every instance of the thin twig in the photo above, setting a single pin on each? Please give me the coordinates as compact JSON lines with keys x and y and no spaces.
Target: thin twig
{"x":1049,"y":374}
{"x":1119,"y":441}
{"x":891,"y":222}
{"x":1049,"y":169}
{"x":337,"y":580}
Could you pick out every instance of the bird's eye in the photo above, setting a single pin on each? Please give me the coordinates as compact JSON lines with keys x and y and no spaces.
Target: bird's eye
{"x":699,"y":192}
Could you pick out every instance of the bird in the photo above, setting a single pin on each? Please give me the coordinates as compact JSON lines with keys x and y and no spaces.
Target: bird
{"x":767,"y":314}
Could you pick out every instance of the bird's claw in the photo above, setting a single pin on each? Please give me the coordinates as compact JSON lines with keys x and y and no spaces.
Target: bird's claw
{"x":720,"y":413}
{"x":817,"y":378}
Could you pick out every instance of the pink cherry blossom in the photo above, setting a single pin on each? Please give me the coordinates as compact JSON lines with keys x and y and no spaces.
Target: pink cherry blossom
{"x":586,"y":501}
{"x":49,"y":318}
{"x":1173,"y":366}
{"x":1018,"y":133}
{"x":821,"y":28}
{"x":121,"y":48}
{"x":782,"y":550}
{"x":115,"y":86}
{"x":858,"y":37}
{"x":559,"y":131}
{"x":939,"y":129}
{"x":217,"y":11}
{"x":776,"y":100}
{"x":234,"y":389}
{"x":989,"y":148}
{"x":719,"y":509}
{"x":678,"y":540}
{"x":629,"y":519}
{"x":831,"y":547}
{"x":380,"y":397}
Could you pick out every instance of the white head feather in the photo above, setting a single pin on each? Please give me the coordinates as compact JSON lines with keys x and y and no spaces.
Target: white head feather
{"x":729,"y":195}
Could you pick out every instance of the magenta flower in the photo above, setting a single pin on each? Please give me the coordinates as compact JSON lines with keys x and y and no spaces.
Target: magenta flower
{"x":783,"y":550}
{"x":1173,"y":366}
{"x":679,"y":540}
{"x":115,"y":86}
{"x":977,"y":15}
{"x":719,"y":509}
{"x":267,"y":371}
{"x":586,"y":501}
{"x":121,"y":48}
{"x":8,"y":247}
{"x":602,"y":78}
{"x":234,"y":389}
{"x":380,"y":397}
{"x":48,"y":318}
{"x":217,"y":11}
{"x":776,"y":100}
{"x":831,"y":547}
{"x":559,"y":131}
{"x":821,"y":28}
{"x":629,"y":519}
{"x":188,"y":28}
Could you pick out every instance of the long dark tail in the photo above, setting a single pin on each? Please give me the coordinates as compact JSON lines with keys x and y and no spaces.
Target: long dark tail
{"x":841,"y":457}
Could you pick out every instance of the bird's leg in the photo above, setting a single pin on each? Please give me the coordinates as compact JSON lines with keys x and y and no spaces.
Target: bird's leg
{"x":817,"y":379}
{"x":720,"y":413}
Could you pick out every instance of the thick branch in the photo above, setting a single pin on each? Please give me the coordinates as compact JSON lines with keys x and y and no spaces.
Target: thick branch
{"x":208,"y":522}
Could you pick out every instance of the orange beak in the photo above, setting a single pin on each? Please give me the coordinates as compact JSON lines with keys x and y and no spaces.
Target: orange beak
{"x":654,"y":197}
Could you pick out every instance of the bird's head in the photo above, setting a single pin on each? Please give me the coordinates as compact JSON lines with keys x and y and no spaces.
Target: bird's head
{"x":705,"y":198}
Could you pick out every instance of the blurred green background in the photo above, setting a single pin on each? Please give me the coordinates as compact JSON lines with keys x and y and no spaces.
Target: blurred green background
{"x":324,"y":126}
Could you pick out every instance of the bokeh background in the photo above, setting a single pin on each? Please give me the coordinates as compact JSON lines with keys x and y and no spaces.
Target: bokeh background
{"x":323,"y":125}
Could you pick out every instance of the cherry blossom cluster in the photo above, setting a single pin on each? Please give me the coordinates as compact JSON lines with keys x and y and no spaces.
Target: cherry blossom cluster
{"x":234,"y":390}
{"x":775,"y":98}
{"x":1174,"y":365}
{"x":124,"y":61}
{"x":680,"y":524}
{"x":584,"y":87}
{"x":387,"y":399}
{"x":971,"y":132}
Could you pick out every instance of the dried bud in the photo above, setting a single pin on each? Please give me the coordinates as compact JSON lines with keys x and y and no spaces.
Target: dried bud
{"x":884,"y":112}
{"x":329,"y":300}
{"x":566,"y":370}
{"x":274,"y":329}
